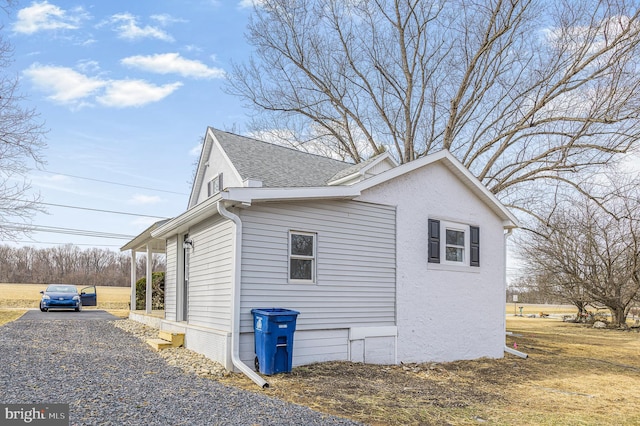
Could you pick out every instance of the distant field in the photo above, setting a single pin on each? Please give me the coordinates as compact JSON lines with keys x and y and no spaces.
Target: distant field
{"x":535,"y":309}
{"x":28,"y":296}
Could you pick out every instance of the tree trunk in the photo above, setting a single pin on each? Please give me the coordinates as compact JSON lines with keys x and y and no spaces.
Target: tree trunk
{"x":618,"y":316}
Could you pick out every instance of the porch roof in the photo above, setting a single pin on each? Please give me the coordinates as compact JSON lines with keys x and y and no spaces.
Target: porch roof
{"x":144,"y":239}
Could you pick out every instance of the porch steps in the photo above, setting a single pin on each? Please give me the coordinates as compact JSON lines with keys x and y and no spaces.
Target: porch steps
{"x":166,"y":339}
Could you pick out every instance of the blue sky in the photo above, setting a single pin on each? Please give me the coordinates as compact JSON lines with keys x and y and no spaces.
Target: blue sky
{"x":126,"y":90}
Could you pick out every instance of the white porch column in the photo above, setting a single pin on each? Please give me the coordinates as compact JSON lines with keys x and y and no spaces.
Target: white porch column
{"x":134,"y":278}
{"x":149,"y":280}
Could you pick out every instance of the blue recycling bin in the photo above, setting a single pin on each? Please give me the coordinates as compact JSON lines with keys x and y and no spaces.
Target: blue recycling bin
{"x":273,"y":329}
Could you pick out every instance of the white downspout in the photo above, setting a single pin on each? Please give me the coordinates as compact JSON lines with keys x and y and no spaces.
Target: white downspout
{"x":507,"y":348}
{"x":235,"y":298}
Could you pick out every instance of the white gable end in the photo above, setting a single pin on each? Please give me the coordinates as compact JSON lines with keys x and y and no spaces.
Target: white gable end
{"x":214,"y":168}
{"x":436,"y":300}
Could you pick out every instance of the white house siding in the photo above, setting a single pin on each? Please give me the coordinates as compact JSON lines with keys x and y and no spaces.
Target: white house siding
{"x":210,"y":274}
{"x":444,"y":314}
{"x":355,"y":283}
{"x":378,"y":168}
{"x":170,"y":279}
{"x":218,"y":163}
{"x":308,"y":346}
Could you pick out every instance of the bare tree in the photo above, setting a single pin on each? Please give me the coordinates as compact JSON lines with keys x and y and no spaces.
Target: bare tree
{"x":519,"y":91}
{"x":70,"y":264}
{"x":589,"y":250}
{"x":21,"y":144}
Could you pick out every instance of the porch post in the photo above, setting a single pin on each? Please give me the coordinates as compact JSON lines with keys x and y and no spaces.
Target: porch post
{"x":134,"y":278}
{"x":147,"y":303}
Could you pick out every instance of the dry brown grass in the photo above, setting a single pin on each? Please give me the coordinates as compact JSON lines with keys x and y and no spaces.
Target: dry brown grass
{"x":574,"y":375}
{"x":28,"y":296}
{"x":8,"y":315}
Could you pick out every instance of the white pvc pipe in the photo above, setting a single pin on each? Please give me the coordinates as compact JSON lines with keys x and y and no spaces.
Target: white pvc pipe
{"x":235,"y":298}
{"x":514,"y":352}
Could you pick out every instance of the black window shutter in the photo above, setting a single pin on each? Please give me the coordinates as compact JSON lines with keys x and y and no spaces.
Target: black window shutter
{"x":434,"y":241}
{"x":475,"y":246}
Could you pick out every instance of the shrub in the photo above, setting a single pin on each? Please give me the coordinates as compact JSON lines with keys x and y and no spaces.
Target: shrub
{"x":157,"y":291}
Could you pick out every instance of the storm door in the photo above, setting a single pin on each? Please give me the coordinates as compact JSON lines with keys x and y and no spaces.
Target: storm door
{"x":186,"y":247}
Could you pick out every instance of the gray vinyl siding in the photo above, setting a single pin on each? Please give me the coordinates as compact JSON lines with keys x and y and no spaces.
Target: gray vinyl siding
{"x":210,"y":274}
{"x":356,"y":265}
{"x":170,"y":280}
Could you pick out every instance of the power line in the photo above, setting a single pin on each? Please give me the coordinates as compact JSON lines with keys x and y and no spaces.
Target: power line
{"x":102,"y":211}
{"x":68,"y":231}
{"x":62,"y":244}
{"x":115,"y":183}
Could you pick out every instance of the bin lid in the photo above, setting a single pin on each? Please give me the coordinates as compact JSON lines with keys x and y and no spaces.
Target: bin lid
{"x":274,"y":311}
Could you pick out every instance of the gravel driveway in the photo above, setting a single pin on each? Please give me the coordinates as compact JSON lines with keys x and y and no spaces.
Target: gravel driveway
{"x":109,"y":377}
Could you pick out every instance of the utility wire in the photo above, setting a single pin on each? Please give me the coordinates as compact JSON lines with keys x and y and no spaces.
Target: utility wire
{"x":100,"y":210}
{"x":69,"y":231}
{"x":63,"y":244}
{"x":115,"y":183}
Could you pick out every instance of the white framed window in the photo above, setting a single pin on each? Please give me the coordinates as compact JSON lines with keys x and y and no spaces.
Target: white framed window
{"x":214,"y":185}
{"x":456,"y":243}
{"x":453,"y":243}
{"x":302,"y":257}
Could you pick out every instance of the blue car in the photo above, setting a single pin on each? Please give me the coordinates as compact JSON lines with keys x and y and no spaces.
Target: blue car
{"x":66,"y":296}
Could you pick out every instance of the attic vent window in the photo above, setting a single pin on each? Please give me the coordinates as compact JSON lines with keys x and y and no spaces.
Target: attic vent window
{"x":214,"y":185}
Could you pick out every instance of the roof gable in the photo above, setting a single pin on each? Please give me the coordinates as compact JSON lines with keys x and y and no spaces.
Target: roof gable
{"x":458,"y":169}
{"x":273,"y":165}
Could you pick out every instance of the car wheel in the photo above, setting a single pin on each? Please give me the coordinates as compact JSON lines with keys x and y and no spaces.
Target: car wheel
{"x":43,"y":309}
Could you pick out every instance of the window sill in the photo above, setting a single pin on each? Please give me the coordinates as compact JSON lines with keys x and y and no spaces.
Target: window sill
{"x":454,"y":268}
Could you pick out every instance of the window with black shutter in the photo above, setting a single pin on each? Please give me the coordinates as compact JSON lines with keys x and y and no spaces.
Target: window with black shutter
{"x":475,"y":246}
{"x":434,"y":241}
{"x":452,"y":243}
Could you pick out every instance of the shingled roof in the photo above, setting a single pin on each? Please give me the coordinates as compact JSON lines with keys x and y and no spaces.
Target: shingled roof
{"x":277,"y":166}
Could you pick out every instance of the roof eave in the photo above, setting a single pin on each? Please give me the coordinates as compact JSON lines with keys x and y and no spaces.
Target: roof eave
{"x":144,"y":240}
{"x":251,"y":195}
{"x":187,"y":219}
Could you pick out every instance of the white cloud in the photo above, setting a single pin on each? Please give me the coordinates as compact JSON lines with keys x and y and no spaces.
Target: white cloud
{"x":42,"y":16}
{"x":64,"y":85}
{"x":165,"y":19}
{"x":134,"y":93}
{"x":192,"y":48}
{"x":172,"y":63}
{"x":142,"y":222}
{"x":145,"y":199}
{"x":126,"y":25}
{"x":88,"y":65}
{"x":69,"y":87}
{"x":247,"y":4}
